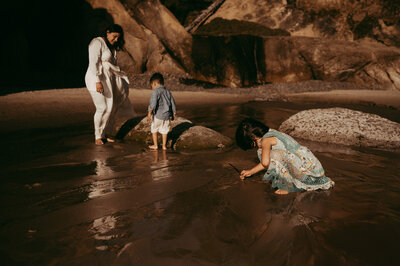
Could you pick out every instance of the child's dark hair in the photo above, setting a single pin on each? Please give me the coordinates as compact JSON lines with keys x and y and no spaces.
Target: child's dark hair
{"x":247,"y":130}
{"x":119,"y":45}
{"x":157,"y":77}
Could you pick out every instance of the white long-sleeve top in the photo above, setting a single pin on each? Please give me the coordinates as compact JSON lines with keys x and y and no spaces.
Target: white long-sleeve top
{"x":102,"y":64}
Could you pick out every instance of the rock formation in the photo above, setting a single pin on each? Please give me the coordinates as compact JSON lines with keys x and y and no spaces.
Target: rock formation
{"x":144,"y":49}
{"x":329,"y":19}
{"x":344,"y":126}
{"x":250,"y":42}
{"x":326,"y":43}
{"x":183,"y":135}
{"x":241,"y":44}
{"x":160,"y":21}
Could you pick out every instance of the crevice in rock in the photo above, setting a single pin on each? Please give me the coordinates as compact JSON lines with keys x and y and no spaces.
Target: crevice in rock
{"x":390,"y":78}
{"x":313,"y":74}
{"x":204,"y":16}
{"x":362,"y":67}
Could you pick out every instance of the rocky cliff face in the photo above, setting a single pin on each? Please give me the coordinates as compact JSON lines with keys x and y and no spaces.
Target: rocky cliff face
{"x":241,"y":44}
{"x":144,"y":48}
{"x":335,"y":40}
{"x":363,"y":20}
{"x":249,"y":42}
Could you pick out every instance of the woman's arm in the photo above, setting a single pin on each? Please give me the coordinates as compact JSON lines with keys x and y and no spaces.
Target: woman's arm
{"x":266,"y":144}
{"x":95,"y":63}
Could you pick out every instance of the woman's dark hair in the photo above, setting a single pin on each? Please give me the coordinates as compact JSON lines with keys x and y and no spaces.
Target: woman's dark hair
{"x":247,"y":130}
{"x":119,"y":45}
{"x":157,"y":77}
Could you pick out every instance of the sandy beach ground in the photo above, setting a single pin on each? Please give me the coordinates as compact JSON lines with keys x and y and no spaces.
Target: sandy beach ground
{"x":67,"y":201}
{"x":62,"y":107}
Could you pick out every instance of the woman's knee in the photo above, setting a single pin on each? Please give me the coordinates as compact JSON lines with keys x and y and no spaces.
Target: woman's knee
{"x":101,"y":110}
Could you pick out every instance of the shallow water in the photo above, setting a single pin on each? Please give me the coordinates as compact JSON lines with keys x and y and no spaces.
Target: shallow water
{"x":64,"y":201}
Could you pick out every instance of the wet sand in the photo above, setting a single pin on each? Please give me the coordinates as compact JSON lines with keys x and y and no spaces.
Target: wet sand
{"x":66,"y":201}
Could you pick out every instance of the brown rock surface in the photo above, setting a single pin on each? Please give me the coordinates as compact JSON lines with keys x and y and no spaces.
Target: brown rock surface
{"x":245,"y":43}
{"x":144,"y":51}
{"x":332,"y":19}
{"x":300,"y":58}
{"x":242,"y":47}
{"x":159,"y":20}
{"x":243,"y":60}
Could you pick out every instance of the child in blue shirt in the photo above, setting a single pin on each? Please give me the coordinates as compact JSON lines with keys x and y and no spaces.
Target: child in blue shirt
{"x":161,"y":109}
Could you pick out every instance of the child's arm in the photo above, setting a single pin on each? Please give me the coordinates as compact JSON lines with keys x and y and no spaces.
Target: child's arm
{"x":152,"y":104}
{"x":149,"y":113}
{"x":173,"y":106}
{"x":266,"y":144}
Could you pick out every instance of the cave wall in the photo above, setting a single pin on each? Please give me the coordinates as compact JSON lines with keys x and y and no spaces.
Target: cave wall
{"x":45,"y":44}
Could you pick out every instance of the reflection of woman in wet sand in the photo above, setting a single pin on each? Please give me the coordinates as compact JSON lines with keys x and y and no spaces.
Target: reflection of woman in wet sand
{"x":107,"y":84}
{"x":290,"y":166}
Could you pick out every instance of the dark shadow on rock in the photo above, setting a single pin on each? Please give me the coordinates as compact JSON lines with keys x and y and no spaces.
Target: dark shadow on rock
{"x":204,"y":84}
{"x":128,"y":126}
{"x":234,"y":27}
{"x":236,"y":60}
{"x":177,"y":131}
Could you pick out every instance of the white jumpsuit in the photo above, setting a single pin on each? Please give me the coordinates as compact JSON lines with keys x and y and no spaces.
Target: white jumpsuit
{"x":103,"y":68}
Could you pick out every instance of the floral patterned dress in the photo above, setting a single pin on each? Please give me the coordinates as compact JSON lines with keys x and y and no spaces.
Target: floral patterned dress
{"x":293,"y":167}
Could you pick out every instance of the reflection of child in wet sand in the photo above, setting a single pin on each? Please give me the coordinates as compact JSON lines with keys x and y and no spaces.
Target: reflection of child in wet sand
{"x":161,"y":109}
{"x":290,"y":166}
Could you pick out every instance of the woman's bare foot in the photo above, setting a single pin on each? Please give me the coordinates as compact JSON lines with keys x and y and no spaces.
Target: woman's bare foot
{"x":110,"y":140}
{"x":153,"y":147}
{"x":281,"y":192}
{"x":164,"y":148}
{"x":99,"y":142}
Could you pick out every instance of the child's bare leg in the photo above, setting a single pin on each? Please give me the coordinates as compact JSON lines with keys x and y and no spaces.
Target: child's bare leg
{"x":155,"y":143}
{"x":164,"y":141}
{"x":281,"y":192}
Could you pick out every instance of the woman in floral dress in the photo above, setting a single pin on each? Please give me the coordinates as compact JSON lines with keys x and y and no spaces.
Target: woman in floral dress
{"x":290,"y":166}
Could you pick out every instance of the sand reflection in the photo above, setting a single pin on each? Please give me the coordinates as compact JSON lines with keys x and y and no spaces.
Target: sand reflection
{"x":103,"y":230}
{"x":102,"y":187}
{"x":160,"y":166}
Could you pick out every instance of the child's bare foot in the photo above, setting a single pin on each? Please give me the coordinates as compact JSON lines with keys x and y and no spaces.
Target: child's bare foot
{"x":164,"y":148}
{"x":153,"y":147}
{"x":281,"y":192}
{"x":110,"y":140}
{"x":99,"y":142}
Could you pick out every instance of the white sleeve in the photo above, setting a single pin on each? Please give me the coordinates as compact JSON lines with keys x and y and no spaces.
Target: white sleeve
{"x":95,"y":67}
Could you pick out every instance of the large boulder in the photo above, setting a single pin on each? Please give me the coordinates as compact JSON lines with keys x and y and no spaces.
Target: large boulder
{"x":144,"y":50}
{"x":291,"y":59}
{"x":160,"y":21}
{"x":344,"y":126}
{"x":183,"y":135}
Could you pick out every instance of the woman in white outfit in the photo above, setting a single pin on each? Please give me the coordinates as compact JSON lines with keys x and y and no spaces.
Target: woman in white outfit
{"x":107,"y":84}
